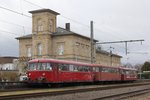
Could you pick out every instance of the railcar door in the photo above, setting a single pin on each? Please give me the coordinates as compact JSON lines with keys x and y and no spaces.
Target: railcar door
{"x":55,"y":73}
{"x":122,"y":74}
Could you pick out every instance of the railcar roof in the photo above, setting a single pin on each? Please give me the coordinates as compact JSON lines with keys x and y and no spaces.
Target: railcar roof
{"x":99,"y":65}
{"x":69,"y":62}
{"x":124,"y":68}
{"x":59,"y":61}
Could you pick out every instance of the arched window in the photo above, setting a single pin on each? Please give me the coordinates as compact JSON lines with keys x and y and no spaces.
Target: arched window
{"x":39,"y":25}
{"x":39,"y":49}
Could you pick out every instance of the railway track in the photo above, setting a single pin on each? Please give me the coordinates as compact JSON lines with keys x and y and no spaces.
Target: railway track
{"x":69,"y":90}
{"x":8,"y":86}
{"x":124,"y":95}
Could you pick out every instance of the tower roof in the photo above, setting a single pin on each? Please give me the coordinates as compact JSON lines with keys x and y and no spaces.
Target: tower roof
{"x":43,"y":10}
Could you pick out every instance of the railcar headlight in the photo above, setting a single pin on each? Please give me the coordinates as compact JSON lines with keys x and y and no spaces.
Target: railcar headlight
{"x":43,"y":74}
{"x":29,"y":74}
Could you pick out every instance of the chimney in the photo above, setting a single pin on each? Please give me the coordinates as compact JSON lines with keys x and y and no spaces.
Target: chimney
{"x":68,"y":26}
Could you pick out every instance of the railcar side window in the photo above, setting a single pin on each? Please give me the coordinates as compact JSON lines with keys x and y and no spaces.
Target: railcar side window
{"x":94,"y":69}
{"x":43,"y":66}
{"x":75,"y":68}
{"x":86,"y":68}
{"x":71,"y":68}
{"x":105,"y":69}
{"x":80,"y":68}
{"x":63,"y":67}
{"x":48,"y":67}
{"x":97,"y":69}
{"x":113,"y":70}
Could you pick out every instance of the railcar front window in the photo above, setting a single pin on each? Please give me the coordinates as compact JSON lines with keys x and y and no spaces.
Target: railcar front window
{"x":32,"y":66}
{"x":40,"y":66}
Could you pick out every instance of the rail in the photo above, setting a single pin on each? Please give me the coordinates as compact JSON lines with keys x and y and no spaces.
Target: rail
{"x":7,"y":85}
{"x":124,"y":95}
{"x":62,"y":91}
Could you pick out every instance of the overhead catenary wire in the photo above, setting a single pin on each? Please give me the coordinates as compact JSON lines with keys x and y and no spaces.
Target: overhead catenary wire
{"x":33,"y":4}
{"x":72,"y":20}
{"x":15,"y":12}
{"x":9,"y":32}
{"x":3,"y":21}
{"x":43,"y":7}
{"x":21,"y":26}
{"x":66,"y":17}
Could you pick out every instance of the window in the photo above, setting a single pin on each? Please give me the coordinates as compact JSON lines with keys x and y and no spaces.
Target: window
{"x":48,"y":67}
{"x":50,"y":25}
{"x":40,"y":26}
{"x":71,"y":68}
{"x":39,"y":49}
{"x":60,"y":49}
{"x":63,"y":67}
{"x":29,"y":51}
{"x":40,"y":66}
{"x":32,"y":66}
{"x":80,"y":68}
{"x":94,"y":69}
{"x":97,"y":69}
{"x":75,"y":68}
{"x":105,"y":70}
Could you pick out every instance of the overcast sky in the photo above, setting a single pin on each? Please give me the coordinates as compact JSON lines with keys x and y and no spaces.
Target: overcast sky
{"x":114,"y":20}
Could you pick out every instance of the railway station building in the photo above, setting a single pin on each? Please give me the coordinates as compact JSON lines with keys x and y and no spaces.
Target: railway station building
{"x":49,"y":41}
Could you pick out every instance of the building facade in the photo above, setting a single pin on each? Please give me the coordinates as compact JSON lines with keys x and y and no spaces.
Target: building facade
{"x":8,"y":69}
{"x":48,"y":41}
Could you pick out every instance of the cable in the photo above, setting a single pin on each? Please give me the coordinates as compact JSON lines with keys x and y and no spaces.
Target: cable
{"x":15,"y":12}
{"x":75,"y":21}
{"x":60,"y":15}
{"x":43,"y":7}
{"x":33,"y":4}
{"x":13,"y":23}
{"x":68,"y":18}
{"x":9,"y":32}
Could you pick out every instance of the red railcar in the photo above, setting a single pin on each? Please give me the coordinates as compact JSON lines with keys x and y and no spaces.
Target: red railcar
{"x":128,"y":74}
{"x":105,"y":73}
{"x":58,"y":71}
{"x":61,"y":71}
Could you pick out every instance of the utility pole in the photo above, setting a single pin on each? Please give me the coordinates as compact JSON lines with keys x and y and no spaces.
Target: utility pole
{"x":92,"y":43}
{"x":111,"y":55}
{"x":126,"y":43}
